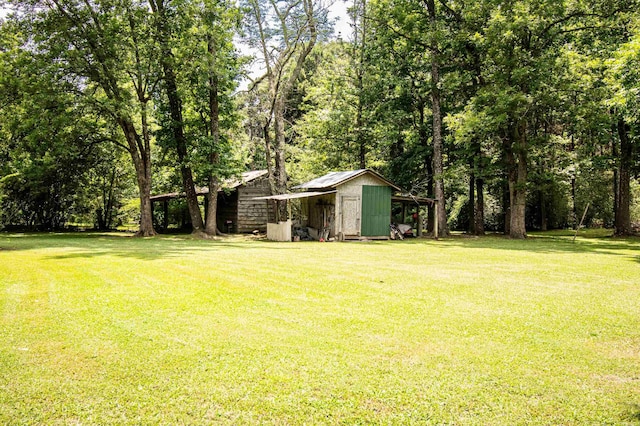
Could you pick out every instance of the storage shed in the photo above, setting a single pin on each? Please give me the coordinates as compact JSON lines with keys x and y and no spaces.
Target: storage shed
{"x":238,"y":209}
{"x":344,"y":205}
{"x":357,"y":204}
{"x":237,"y":204}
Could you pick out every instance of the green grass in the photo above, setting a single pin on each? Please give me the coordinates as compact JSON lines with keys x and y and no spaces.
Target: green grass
{"x":109,"y":329}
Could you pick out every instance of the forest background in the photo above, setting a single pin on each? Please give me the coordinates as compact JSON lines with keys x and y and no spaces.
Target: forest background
{"x":515,"y":115}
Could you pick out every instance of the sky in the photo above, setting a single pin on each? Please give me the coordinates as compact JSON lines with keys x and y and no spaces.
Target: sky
{"x":337,"y":13}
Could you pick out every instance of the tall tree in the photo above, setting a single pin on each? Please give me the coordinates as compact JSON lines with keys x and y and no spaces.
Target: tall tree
{"x":52,"y":140}
{"x":624,"y":78}
{"x":198,"y":67}
{"x":436,"y":111}
{"x":163,"y":26}
{"x":103,"y":47}
{"x":359,"y":55}
{"x":412,"y":33}
{"x":284,"y":33}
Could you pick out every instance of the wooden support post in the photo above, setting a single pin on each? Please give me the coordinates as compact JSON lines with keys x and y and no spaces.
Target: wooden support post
{"x":165,"y":211}
{"x":435,"y":220}
{"x":419,"y":219}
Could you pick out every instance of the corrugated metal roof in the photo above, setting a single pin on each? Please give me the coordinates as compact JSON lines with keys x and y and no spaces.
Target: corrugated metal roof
{"x":246,"y":178}
{"x":228,"y":184}
{"x":330,"y":180}
{"x":334,"y":179}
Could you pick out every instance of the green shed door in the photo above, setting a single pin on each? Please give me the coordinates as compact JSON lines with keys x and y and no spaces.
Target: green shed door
{"x":376,"y":210}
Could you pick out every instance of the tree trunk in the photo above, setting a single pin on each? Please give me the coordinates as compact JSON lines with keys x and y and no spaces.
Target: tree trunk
{"x":479,"y":217}
{"x":428,"y":160}
{"x":175,"y":110}
{"x":108,"y":217}
{"x":471,"y":208}
{"x":360,"y":44}
{"x":506,"y":206}
{"x":574,"y":211}
{"x":211,"y":225}
{"x":280,"y":155}
{"x":142,"y":163}
{"x":281,"y":143}
{"x":438,"y":166}
{"x":614,"y":154}
{"x":517,"y":174}
{"x":100,"y":219}
{"x":360,"y":139}
{"x":623,"y":217}
{"x":268,"y":147}
{"x":146,"y":216}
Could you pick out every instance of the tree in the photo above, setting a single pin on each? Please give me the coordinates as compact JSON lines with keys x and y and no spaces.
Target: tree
{"x":211,"y":73}
{"x":163,"y":30}
{"x":52,"y":140}
{"x":420,"y":30}
{"x":522,"y":64}
{"x":624,"y":77}
{"x":103,"y":49}
{"x":284,"y":33}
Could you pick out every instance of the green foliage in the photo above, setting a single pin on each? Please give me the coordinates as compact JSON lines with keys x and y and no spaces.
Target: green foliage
{"x":196,"y":28}
{"x":51,"y":141}
{"x":535,"y":83}
{"x":325,"y":132}
{"x":623,"y":75}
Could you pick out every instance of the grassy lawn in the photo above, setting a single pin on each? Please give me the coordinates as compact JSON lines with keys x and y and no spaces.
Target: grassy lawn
{"x":108,"y":329}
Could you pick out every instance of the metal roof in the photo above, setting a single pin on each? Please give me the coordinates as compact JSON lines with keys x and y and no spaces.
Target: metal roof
{"x":228,"y":184}
{"x":246,"y":178}
{"x":334,"y":179}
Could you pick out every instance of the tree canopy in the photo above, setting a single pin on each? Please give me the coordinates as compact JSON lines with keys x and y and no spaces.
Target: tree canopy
{"x":514,"y":115}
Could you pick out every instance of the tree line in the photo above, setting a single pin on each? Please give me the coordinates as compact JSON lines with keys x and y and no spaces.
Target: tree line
{"x":514,"y":115}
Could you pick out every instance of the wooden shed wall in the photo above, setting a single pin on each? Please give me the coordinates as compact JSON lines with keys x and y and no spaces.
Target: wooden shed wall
{"x":253,"y":214}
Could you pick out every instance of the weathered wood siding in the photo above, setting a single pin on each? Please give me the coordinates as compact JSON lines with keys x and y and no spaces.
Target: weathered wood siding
{"x":253,"y":214}
{"x":353,"y":188}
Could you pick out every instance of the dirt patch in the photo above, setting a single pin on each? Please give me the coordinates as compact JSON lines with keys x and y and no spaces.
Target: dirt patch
{"x":618,"y":379}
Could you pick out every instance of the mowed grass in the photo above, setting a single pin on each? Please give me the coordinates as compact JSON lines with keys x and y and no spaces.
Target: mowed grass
{"x":109,"y":329}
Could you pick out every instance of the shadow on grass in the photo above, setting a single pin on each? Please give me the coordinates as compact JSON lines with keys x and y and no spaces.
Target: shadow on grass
{"x":634,"y":413}
{"x":550,"y":242}
{"x":94,"y":244}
